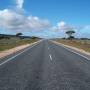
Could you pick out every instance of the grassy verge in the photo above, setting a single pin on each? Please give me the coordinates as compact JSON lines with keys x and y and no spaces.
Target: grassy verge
{"x":81,"y":44}
{"x":6,"y":44}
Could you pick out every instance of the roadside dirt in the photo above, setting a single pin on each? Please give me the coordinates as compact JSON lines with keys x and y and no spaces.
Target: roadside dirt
{"x":74,"y":48}
{"x":13,"y":50}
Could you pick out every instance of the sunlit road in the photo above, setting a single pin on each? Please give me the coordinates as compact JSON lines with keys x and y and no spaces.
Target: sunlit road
{"x":45,"y":66}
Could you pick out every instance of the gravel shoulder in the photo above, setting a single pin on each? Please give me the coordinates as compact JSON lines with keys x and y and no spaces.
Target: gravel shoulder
{"x":13,"y":50}
{"x":72,"y":47}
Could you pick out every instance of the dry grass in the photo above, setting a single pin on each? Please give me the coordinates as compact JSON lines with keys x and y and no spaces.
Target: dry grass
{"x":81,"y":44}
{"x":6,"y":44}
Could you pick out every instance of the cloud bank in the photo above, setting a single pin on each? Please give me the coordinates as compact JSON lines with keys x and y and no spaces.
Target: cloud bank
{"x":17,"y":21}
{"x":81,"y":31}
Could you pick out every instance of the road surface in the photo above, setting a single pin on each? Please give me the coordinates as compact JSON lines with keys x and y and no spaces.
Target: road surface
{"x":45,"y":66}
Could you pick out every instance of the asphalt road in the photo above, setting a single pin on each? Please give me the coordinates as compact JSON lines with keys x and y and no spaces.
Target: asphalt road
{"x":45,"y":66}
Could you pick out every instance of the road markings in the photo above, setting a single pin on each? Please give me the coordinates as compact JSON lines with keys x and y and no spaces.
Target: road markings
{"x":71,"y":50}
{"x":76,"y":53}
{"x":19,"y":53}
{"x":50,"y":57}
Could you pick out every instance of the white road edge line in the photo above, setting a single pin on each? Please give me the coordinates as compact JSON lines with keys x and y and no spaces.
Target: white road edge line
{"x":19,"y":54}
{"x":76,"y":53}
{"x":50,"y":56}
{"x":72,"y":51}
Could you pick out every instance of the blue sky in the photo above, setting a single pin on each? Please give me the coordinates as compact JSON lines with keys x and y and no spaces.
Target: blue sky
{"x":73,"y":13}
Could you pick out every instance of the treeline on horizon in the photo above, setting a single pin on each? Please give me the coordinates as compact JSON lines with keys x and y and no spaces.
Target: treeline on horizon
{"x":21,"y":36}
{"x":18,"y":35}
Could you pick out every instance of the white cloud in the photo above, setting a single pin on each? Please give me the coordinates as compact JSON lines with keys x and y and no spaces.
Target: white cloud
{"x":81,"y":31}
{"x":61,"y":24}
{"x":12,"y":20}
{"x":84,"y":32}
{"x":19,"y":3}
{"x":38,"y":24}
{"x":16,"y":20}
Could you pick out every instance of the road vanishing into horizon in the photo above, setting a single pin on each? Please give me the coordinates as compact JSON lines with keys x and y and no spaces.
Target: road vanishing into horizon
{"x":45,"y":66}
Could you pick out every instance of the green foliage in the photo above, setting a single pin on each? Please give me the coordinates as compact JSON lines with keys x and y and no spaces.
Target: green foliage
{"x":19,"y":34}
{"x":70,"y":33}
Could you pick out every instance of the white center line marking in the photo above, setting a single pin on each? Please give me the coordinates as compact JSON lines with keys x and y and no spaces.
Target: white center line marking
{"x":48,"y":48}
{"x":50,"y":57}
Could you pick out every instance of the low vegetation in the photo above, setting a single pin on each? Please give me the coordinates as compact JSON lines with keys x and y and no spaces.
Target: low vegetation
{"x":81,"y":44}
{"x":6,"y":44}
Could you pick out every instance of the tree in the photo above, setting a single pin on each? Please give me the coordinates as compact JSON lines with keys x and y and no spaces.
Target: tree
{"x":18,"y":34}
{"x":70,"y":33}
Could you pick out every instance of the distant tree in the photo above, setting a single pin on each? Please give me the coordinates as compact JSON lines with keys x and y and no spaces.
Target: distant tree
{"x":18,"y":34}
{"x":70,"y":33}
{"x":3,"y":36}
